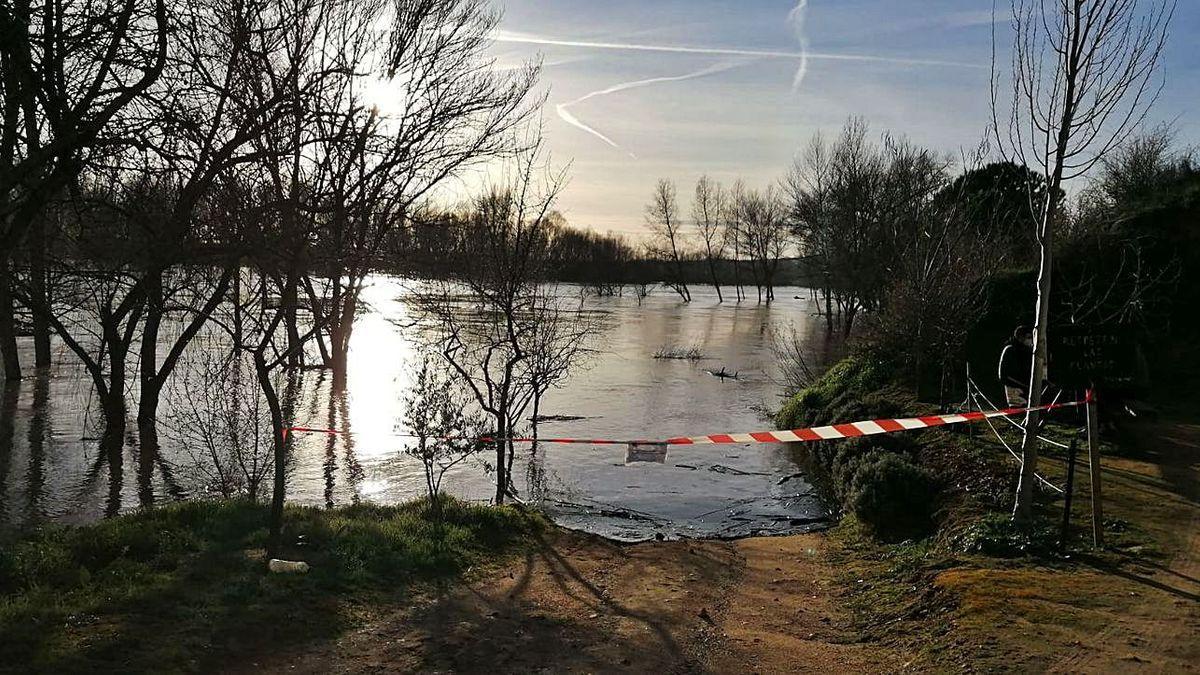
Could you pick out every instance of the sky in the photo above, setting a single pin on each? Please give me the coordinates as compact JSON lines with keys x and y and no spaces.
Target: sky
{"x":639,"y":90}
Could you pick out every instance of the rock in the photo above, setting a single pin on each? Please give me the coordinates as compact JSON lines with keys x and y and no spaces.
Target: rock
{"x":277,"y":566}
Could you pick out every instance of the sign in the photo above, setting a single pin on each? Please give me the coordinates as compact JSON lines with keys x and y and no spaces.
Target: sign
{"x":1083,"y":355}
{"x":646,"y":452}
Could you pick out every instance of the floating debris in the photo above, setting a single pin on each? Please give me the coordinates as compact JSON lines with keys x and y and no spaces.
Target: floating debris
{"x":559,"y":418}
{"x":723,"y":374}
{"x":721,"y":468}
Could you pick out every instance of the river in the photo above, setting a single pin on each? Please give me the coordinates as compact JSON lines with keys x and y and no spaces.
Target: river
{"x":51,"y":467}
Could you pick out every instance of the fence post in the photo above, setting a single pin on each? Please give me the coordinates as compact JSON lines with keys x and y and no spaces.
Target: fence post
{"x":1066,"y":522}
{"x":970,"y":405}
{"x":1094,"y":469}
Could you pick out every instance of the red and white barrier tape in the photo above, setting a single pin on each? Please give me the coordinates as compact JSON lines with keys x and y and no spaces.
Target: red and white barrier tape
{"x":824,"y":433}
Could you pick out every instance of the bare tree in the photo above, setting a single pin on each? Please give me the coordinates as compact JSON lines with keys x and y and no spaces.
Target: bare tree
{"x":445,"y":110}
{"x":1082,"y":79}
{"x":662,"y":215}
{"x":218,"y":419}
{"x":856,"y":207}
{"x":808,"y":186}
{"x":505,"y":236}
{"x":67,"y":69}
{"x":558,"y":343}
{"x":762,"y":235}
{"x":255,"y":325}
{"x":232,"y":76}
{"x":708,"y":211}
{"x":733,"y":234}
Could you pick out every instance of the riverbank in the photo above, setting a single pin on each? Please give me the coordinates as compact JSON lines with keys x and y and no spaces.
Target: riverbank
{"x":825,"y":602}
{"x":183,"y":589}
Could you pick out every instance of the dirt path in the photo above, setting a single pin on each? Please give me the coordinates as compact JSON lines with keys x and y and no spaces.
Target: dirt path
{"x":1132,"y":610}
{"x":1160,"y":631}
{"x":580,"y":604}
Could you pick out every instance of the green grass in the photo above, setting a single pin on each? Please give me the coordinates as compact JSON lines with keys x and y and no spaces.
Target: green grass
{"x":184,"y":587}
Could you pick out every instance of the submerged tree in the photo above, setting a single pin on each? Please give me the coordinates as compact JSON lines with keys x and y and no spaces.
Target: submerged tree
{"x":67,"y":72}
{"x":410,"y":108}
{"x":709,"y":209}
{"x":505,"y":335}
{"x":1082,"y":79}
{"x":669,"y":245}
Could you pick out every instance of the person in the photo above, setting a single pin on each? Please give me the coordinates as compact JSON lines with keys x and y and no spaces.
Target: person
{"x":1016,"y":359}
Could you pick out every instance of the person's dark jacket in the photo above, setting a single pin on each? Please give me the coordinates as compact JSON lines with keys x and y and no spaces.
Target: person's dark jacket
{"x":1015,"y":361}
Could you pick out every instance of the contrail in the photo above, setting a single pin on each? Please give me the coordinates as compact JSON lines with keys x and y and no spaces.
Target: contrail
{"x":796,"y":19}
{"x":567,"y":117}
{"x":803,"y":56}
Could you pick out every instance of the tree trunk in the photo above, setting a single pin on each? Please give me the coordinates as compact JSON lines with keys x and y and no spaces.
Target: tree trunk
{"x":737,"y":275}
{"x":274,"y":539}
{"x":112,"y":400}
{"x":148,"y":375}
{"x":37,"y":288}
{"x":501,"y":475}
{"x":712,"y":271}
{"x":340,"y":336}
{"x":148,"y":449}
{"x":1023,"y":509}
{"x":8,"y":333}
{"x":828,"y":305}
{"x":295,"y":355}
{"x":851,"y":311}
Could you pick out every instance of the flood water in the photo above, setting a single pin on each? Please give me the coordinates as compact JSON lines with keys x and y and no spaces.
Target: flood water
{"x":52,"y":469}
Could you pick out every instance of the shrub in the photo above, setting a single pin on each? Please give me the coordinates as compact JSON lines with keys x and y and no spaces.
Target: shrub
{"x":851,"y":453}
{"x":996,"y":535}
{"x":679,"y":353}
{"x":895,"y":498}
{"x":854,"y":377}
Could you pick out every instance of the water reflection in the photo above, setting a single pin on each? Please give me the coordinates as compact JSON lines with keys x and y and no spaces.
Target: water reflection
{"x":69,"y":474}
{"x":112,"y":452}
{"x":8,"y":423}
{"x":41,"y":428}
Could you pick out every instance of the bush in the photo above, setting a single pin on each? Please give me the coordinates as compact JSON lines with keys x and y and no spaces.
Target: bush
{"x":854,"y":377}
{"x":895,"y":498}
{"x":851,"y":453}
{"x":996,"y":535}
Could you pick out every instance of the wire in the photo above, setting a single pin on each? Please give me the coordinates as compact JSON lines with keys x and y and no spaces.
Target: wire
{"x":1012,"y":452}
{"x":1011,"y":420}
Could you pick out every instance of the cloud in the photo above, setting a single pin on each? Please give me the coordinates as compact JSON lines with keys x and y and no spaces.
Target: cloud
{"x":565,"y":114}
{"x":803,"y":56}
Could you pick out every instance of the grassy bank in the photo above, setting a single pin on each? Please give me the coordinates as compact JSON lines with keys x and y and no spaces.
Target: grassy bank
{"x":957,"y":585}
{"x":184,"y":587}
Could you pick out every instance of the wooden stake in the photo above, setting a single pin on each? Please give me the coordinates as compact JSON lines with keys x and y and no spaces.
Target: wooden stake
{"x":1066,"y":522}
{"x":1094,"y":469}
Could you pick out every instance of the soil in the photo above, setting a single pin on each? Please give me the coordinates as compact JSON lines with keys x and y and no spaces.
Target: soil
{"x":577,"y":603}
